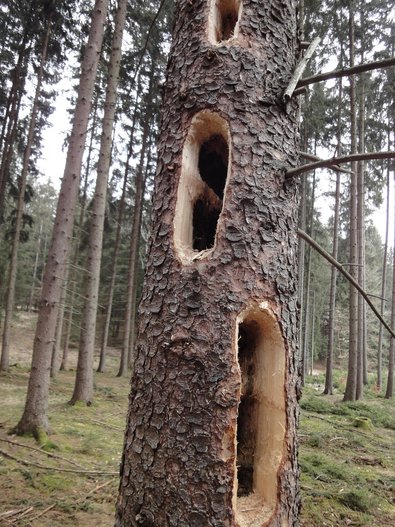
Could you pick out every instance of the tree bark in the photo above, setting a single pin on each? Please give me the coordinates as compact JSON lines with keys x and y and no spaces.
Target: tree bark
{"x":218,"y":316}
{"x":13,"y":266}
{"x":83,"y":388}
{"x":36,"y":408}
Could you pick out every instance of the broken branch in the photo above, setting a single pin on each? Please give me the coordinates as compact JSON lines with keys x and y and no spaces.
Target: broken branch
{"x":312,"y":157}
{"x":300,"y":69}
{"x":346,"y":72}
{"x":333,"y":161}
{"x":347,"y":275}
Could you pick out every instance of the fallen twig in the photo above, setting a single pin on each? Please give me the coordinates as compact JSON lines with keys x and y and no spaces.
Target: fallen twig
{"x":42,"y":512}
{"x":58,"y":469}
{"x":112,"y":427}
{"x":50,"y":454}
{"x":12,"y":512}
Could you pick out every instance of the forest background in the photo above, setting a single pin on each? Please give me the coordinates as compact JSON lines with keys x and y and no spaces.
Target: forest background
{"x":40,"y":55}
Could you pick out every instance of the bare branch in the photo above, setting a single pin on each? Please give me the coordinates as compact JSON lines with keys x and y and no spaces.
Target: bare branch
{"x":57,"y":469}
{"x":300,"y":69}
{"x":312,"y":157}
{"x":147,"y":39}
{"x":346,"y":72}
{"x":347,"y":275}
{"x":333,"y":161}
{"x":49,"y":454}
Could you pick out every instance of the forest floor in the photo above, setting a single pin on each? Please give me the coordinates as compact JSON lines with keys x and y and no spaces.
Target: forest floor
{"x":348,"y":473}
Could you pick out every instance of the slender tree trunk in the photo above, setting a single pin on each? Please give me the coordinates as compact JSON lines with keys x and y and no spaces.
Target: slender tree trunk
{"x":117,"y":244}
{"x":73,"y":266}
{"x":328,"y":390}
{"x":139,"y":261}
{"x":332,"y":294}
{"x":312,"y":337}
{"x":391,"y":355}
{"x":362,"y":376}
{"x":216,"y":349}
{"x":35,"y":416}
{"x":114,"y":267}
{"x":57,"y":356}
{"x":351,"y":385}
{"x":301,"y":267}
{"x":134,"y":245}
{"x":383,"y":279}
{"x":8,"y":134}
{"x":13,"y":267}
{"x":83,"y":389}
{"x":34,"y":279}
{"x":307,"y":301}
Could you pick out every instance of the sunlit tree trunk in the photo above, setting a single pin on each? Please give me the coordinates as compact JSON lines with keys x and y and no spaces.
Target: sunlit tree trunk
{"x":35,"y":418}
{"x":211,"y":434}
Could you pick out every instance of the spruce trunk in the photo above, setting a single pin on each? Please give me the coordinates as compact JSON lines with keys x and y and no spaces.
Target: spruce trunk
{"x":211,"y":434}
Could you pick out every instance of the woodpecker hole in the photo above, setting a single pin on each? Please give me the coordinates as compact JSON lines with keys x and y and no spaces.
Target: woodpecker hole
{"x":261,"y":420}
{"x":201,"y":191}
{"x":224,"y":20}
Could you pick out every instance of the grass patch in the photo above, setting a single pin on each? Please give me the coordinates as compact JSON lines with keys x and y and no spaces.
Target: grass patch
{"x":358,"y":500}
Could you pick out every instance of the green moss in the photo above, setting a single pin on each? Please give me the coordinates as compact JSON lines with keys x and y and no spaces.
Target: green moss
{"x":40,"y":435}
{"x":363,"y":422}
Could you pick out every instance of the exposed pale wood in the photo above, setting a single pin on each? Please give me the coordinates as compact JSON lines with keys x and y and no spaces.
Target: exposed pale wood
{"x":300,"y":69}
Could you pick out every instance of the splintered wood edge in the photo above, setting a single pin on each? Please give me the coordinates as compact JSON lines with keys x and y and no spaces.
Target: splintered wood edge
{"x":256,"y":509}
{"x":204,"y":125}
{"x":214,"y":19}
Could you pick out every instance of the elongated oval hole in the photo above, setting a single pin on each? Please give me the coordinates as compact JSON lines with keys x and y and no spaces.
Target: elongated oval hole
{"x":204,"y":173}
{"x":224,"y":20}
{"x":261,"y":420}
